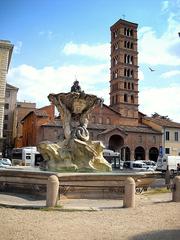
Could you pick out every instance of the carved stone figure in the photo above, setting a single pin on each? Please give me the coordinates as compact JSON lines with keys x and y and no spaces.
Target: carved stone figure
{"x":77,"y":151}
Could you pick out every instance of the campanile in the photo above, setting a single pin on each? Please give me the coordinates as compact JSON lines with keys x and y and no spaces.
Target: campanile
{"x":124,"y":69}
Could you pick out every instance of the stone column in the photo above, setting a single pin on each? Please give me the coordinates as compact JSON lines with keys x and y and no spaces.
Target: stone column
{"x":5,"y":57}
{"x":176,"y":190}
{"x":146,"y":154}
{"x":52,"y":191}
{"x":129,"y":196}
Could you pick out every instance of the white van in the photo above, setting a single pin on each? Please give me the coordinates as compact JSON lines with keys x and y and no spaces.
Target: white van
{"x":169,"y":162}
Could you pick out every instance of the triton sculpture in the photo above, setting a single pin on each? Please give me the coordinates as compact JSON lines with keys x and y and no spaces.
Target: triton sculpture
{"x":77,"y":151}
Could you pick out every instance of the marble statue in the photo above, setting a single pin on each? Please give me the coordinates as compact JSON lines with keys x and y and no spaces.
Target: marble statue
{"x":77,"y":151}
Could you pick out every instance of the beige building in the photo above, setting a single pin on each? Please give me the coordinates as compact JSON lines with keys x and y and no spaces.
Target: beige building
{"x":170,"y":132}
{"x":6,"y":49}
{"x":9,"y":107}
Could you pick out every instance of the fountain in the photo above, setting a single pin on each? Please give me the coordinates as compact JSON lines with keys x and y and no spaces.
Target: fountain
{"x":77,"y":152}
{"x":77,"y":161}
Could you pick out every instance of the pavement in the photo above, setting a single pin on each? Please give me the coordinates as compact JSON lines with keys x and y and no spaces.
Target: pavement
{"x":17,"y":200}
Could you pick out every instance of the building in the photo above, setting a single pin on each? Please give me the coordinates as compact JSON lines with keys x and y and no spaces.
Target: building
{"x":124,"y":71}
{"x":32,"y":125}
{"x":9,"y":108}
{"x":21,"y":110}
{"x":120,"y":125}
{"x":170,"y":132}
{"x":6,"y":49}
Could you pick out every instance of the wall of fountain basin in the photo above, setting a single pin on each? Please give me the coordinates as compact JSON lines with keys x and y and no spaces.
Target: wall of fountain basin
{"x":73,"y":185}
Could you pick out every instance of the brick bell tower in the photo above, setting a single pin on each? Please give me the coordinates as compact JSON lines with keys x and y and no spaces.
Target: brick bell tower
{"x":124,"y":69}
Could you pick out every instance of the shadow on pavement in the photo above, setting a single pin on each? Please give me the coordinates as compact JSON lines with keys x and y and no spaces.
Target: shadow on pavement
{"x":173,"y":234}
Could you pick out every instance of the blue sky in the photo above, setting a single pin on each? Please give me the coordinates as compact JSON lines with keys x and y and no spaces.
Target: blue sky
{"x":54,"y":41}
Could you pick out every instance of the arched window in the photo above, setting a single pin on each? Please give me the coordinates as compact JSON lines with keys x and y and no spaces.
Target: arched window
{"x":125,"y":97}
{"x":132,"y":73}
{"x":131,"y":60}
{"x":132,"y":99}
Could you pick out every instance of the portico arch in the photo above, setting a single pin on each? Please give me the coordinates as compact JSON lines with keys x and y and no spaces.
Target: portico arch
{"x":116,"y":142}
{"x":139,"y":153}
{"x":153,"y":153}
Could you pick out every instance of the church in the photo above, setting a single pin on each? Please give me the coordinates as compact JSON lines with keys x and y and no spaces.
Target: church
{"x":119,"y":125}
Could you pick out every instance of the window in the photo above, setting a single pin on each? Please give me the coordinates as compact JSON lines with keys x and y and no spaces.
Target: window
{"x":167,"y":135}
{"x":125,"y":98}
{"x":108,"y":121}
{"x":115,"y":46}
{"x":7,"y":94}
{"x":167,"y":150}
{"x":5,"y":126}
{"x":115,"y":34}
{"x":115,"y":74}
{"x":176,"y":137}
{"x":140,"y":139}
{"x":100,"y":120}
{"x":115,"y":87}
{"x":6,"y":106}
{"x":116,"y":98}
{"x":128,"y":32}
{"x":115,"y":61}
{"x":154,"y":139}
{"x":128,"y":44}
{"x":132,"y":99}
{"x":128,"y":59}
{"x":125,"y":85}
{"x":5,"y":117}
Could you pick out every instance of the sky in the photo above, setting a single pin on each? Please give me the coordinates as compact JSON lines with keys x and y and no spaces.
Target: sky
{"x":58,"y":41}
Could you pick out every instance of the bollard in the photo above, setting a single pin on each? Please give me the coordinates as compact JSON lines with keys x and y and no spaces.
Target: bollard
{"x":52,"y":191}
{"x":176,"y":190}
{"x":129,"y":196}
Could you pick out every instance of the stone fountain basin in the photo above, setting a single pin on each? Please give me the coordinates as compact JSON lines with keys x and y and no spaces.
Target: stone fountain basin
{"x":74,"y":185}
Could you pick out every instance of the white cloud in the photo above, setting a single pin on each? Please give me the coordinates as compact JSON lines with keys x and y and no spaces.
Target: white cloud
{"x":36,"y":84}
{"x":18,"y":47}
{"x":99,"y":51}
{"x":170,"y":74}
{"x":49,"y":34}
{"x":165,"y":5}
{"x":165,"y":101}
{"x":162,"y":49}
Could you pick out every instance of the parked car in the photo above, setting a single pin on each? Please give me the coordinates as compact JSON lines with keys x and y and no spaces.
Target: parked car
{"x":151,"y":164}
{"x":137,"y":166}
{"x":5,"y":162}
